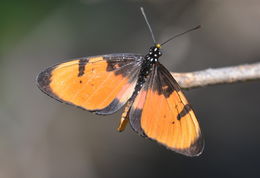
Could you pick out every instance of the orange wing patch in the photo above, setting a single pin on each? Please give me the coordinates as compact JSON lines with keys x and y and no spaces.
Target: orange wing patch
{"x":166,"y":116}
{"x":95,"y":83}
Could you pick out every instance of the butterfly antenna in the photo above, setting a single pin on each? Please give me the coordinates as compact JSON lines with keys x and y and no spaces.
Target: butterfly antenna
{"x":148,"y":24}
{"x":180,"y":34}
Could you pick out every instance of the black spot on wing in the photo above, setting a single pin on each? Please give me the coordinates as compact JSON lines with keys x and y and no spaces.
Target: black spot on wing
{"x":121,"y":64}
{"x":165,"y":86}
{"x":186,"y":109}
{"x":124,"y":68}
{"x":113,"y":65}
{"x":166,"y":83}
{"x":82,"y":64}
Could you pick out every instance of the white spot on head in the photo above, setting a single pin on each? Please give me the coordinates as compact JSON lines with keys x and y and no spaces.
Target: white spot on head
{"x":155,"y":49}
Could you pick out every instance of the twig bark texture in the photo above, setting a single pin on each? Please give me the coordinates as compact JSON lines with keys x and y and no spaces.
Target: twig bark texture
{"x":233,"y":74}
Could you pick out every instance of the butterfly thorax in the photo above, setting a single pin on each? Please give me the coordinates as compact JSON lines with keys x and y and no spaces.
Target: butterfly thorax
{"x":154,"y":54}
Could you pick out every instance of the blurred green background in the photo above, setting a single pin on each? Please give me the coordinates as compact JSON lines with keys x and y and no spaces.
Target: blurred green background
{"x":42,"y":138}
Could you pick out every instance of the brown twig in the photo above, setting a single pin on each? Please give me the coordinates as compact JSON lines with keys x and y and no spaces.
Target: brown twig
{"x":233,"y":74}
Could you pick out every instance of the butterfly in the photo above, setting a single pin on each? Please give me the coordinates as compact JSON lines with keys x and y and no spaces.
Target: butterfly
{"x":155,"y":105}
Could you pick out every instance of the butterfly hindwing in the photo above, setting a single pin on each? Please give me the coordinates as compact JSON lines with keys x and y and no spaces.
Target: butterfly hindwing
{"x":101,"y":83}
{"x":162,"y":113}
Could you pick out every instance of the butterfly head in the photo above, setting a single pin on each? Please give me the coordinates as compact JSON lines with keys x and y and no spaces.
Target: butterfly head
{"x":154,"y":53}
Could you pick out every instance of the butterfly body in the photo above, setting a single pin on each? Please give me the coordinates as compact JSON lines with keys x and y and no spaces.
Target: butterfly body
{"x":148,"y":61}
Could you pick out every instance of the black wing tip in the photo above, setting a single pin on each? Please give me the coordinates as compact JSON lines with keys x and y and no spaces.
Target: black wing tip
{"x":196,"y":149}
{"x":43,"y":81}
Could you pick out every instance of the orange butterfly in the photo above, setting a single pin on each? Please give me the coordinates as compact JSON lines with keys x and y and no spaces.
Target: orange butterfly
{"x":155,"y":105}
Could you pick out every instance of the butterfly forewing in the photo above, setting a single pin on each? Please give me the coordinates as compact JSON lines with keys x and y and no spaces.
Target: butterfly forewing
{"x":162,"y":113}
{"x":101,"y":83}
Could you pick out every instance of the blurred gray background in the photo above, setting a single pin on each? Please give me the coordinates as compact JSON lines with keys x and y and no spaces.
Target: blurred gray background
{"x":40,"y":137}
